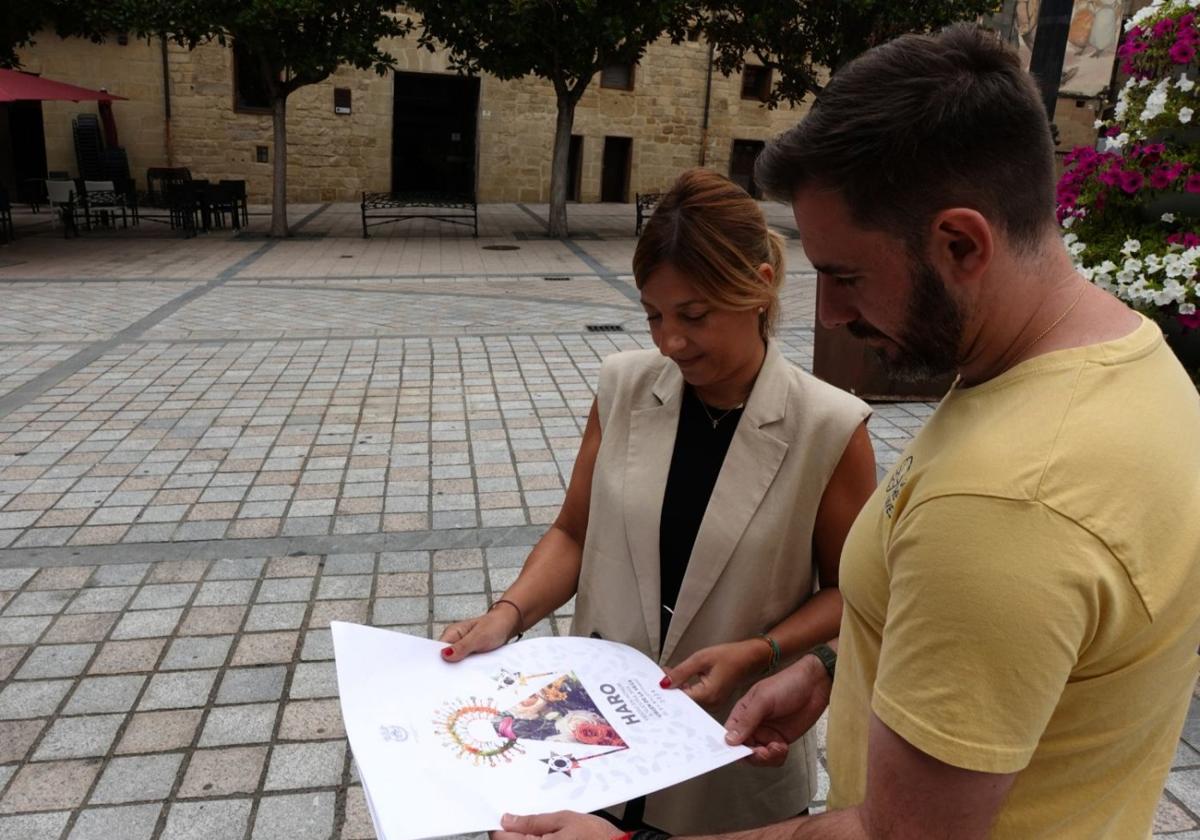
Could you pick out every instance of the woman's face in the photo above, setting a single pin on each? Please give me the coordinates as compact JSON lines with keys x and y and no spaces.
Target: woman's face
{"x":711,"y":345}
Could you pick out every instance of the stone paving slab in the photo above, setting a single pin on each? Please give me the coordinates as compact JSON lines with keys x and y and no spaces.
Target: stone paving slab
{"x":209,"y":449}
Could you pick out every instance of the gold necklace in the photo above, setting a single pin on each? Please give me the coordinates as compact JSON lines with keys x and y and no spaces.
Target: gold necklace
{"x":716,"y":420}
{"x":1078,"y":296}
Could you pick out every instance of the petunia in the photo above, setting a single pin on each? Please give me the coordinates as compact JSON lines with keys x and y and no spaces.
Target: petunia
{"x":1182,"y":53}
{"x":1185,"y":115}
{"x":1192,"y":184}
{"x":1131,"y":182}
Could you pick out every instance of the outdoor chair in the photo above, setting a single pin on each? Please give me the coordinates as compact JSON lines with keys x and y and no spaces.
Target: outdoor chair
{"x":102,"y":199}
{"x":237,"y":189}
{"x":6,"y":219}
{"x":217,"y":200}
{"x":62,"y":204}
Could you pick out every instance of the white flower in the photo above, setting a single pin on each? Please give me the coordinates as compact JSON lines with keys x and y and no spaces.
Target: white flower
{"x":1077,"y":248}
{"x":1098,"y":124}
{"x":1187,"y":309}
{"x":1185,"y":115}
{"x":1068,"y":221}
{"x":1131,"y":246}
{"x":1184,"y":84}
{"x":1167,"y":217}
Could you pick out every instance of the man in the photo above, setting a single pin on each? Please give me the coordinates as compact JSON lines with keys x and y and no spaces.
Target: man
{"x":1019,"y":642}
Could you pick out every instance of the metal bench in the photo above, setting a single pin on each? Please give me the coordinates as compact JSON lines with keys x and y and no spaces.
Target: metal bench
{"x":385,"y":208}
{"x":646,"y":202}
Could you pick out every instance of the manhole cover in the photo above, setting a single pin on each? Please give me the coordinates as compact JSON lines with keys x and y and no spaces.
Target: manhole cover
{"x":502,"y":247}
{"x":556,"y":279}
{"x":605,"y":328}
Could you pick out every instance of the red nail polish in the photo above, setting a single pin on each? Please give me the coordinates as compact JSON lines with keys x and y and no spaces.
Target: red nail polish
{"x":448,"y":651}
{"x":665,"y":682}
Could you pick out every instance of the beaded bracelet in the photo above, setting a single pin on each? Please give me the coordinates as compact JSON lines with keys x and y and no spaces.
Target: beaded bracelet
{"x":520,"y":615}
{"x":776,"y":653}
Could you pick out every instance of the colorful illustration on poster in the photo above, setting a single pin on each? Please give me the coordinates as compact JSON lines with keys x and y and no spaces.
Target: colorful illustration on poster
{"x":561,"y":712}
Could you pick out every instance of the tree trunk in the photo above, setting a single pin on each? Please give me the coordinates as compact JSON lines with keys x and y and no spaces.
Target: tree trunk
{"x":558,"y":166}
{"x":279,"y":223}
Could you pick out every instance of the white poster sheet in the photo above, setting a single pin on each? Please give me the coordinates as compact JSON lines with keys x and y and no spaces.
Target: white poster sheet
{"x":541,"y":725}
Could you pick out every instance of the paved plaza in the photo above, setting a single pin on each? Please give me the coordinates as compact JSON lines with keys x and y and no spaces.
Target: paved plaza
{"x":211,"y":448}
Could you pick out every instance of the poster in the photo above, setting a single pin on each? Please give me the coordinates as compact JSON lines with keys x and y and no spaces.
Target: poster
{"x":542,"y":725}
{"x":1092,"y":41}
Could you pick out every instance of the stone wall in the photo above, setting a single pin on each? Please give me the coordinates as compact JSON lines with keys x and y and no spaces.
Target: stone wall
{"x":333,"y":157}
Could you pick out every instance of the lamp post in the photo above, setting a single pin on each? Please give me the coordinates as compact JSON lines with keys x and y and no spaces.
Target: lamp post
{"x":1049,"y":49}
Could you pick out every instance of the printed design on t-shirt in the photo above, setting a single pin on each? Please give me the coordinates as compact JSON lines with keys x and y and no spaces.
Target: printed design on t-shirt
{"x":896,"y":482}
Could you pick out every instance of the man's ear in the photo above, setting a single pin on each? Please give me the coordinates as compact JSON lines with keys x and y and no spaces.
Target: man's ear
{"x":961,"y":244}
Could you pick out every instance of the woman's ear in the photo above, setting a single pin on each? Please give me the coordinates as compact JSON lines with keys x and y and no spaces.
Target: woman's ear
{"x":766,"y":274}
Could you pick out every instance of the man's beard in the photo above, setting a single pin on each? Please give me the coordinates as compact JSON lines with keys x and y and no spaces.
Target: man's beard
{"x":931,"y":337}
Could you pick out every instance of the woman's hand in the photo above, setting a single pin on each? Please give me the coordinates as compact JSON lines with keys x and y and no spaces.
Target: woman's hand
{"x":480,"y":634}
{"x":710,"y":675}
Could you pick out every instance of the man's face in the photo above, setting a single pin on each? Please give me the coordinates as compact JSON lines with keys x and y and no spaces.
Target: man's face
{"x":871,"y":284}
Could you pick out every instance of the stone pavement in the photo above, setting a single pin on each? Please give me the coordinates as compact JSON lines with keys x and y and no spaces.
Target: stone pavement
{"x":210,"y":448}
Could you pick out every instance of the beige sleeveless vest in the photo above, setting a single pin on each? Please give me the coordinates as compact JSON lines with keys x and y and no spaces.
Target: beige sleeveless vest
{"x":752,"y":562}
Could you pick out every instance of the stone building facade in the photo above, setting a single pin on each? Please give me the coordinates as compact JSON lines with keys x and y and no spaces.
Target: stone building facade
{"x":181,"y":111}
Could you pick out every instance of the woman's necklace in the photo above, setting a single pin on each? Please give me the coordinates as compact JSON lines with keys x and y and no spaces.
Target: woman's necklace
{"x":716,"y":421}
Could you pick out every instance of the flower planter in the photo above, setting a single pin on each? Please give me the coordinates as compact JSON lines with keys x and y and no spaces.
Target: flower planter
{"x":1179,"y":203}
{"x":1184,"y":342}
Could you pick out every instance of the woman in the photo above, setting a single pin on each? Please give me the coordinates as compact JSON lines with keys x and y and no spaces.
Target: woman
{"x":713,"y":479}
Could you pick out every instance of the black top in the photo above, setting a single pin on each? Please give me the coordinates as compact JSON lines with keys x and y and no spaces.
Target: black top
{"x":696,"y":461}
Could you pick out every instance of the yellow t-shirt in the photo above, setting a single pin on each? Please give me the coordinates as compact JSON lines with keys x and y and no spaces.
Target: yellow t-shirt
{"x":1023,"y":590}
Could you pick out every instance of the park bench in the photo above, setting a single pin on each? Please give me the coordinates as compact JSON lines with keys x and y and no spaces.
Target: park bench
{"x":646,"y":202}
{"x":385,"y":208}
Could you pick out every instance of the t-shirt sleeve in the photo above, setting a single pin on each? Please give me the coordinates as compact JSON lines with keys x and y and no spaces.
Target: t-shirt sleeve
{"x":991,"y":603}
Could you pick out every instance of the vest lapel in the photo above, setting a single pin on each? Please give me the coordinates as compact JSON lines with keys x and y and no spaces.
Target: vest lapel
{"x":652,"y":433}
{"x":747,"y":473}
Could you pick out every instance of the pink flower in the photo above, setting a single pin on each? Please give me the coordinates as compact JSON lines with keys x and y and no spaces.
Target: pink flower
{"x":1192,"y":184}
{"x":1160,"y":179}
{"x":1181,"y":52}
{"x":1131,"y":182}
{"x":1164,"y":27}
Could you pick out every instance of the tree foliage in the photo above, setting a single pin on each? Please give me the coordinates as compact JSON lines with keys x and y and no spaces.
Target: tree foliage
{"x":22,"y":20}
{"x":565,"y":42}
{"x":295,"y":43}
{"x":803,"y":40}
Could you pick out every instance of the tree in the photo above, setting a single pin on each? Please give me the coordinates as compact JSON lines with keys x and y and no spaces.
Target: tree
{"x":295,"y":42}
{"x":90,"y":19}
{"x":565,"y":42}
{"x":801,"y":40}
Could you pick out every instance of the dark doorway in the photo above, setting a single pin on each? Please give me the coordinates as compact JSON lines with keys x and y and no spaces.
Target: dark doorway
{"x":22,"y":148}
{"x":614,"y":170}
{"x":574,"y":167}
{"x":433,"y":133}
{"x":741,"y":164}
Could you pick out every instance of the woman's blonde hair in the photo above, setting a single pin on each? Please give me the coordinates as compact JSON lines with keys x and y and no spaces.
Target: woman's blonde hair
{"x":711,"y":230}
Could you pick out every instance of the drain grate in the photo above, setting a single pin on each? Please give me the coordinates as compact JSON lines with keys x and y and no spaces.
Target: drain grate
{"x":556,"y":279}
{"x":502,"y":247}
{"x":605,"y":328}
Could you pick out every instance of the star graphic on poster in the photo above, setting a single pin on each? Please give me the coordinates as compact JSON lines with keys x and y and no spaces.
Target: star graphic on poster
{"x":560,"y":764}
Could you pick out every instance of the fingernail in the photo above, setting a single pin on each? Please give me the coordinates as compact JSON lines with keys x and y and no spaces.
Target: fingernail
{"x":731,"y":737}
{"x":665,"y":682}
{"x":448,"y":651}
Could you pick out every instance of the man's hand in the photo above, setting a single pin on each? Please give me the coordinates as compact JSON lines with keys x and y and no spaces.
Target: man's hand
{"x":479,"y":635}
{"x":778,"y":710}
{"x":708,"y":676}
{"x":563,"y":825}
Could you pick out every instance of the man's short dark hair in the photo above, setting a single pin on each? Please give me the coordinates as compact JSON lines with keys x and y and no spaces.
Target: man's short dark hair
{"x":920,"y":124}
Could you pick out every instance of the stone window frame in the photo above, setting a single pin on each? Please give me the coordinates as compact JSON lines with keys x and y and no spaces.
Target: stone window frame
{"x":756,"y":82}
{"x":632,"y":69}
{"x":238,"y":106}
